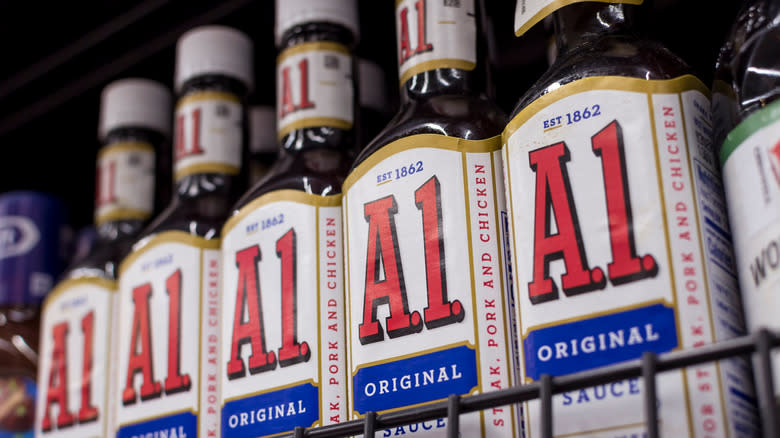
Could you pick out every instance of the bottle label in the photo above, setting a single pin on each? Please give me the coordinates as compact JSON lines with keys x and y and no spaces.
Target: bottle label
{"x":435,"y":34}
{"x":209,"y":134}
{"x":283,"y":351}
{"x":426,"y":301}
{"x":530,"y":12}
{"x":125,"y":182}
{"x":17,"y":402}
{"x":76,"y":359}
{"x":314,"y":87}
{"x":620,"y":242}
{"x":169,"y":338}
{"x":751,"y":174}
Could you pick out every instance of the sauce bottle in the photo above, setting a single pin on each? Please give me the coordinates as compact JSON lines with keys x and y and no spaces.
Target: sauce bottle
{"x":427,"y":302}
{"x":619,"y":231}
{"x":31,"y":240}
{"x":283,"y":330}
{"x":169,"y":297}
{"x":747,"y":117}
{"x":262,"y":142}
{"x":78,"y":338}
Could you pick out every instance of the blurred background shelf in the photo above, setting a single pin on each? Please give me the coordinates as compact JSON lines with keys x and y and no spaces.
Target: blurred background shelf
{"x":57,"y":56}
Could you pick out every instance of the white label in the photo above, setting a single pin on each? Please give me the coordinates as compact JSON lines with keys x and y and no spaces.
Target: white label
{"x":751,"y":174}
{"x":435,"y":34}
{"x":530,"y":12}
{"x":169,"y":333}
{"x":611,"y":204}
{"x":314,"y":87}
{"x":73,"y":373}
{"x":283,"y":331}
{"x":209,"y":134}
{"x":425,"y":292}
{"x":125,"y":182}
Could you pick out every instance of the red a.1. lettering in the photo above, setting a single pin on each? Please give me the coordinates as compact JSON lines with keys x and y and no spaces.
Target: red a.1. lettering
{"x":288,"y":104}
{"x":140,"y":360}
{"x":57,"y":391}
{"x":384,"y":272}
{"x":554,"y":201}
{"x":404,"y":44}
{"x":291,"y":352}
{"x":183,"y":149}
{"x":251,"y":331}
{"x":626,"y":265}
{"x":106,"y":180}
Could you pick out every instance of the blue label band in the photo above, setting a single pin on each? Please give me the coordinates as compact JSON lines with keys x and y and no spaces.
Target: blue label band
{"x":179,"y":425}
{"x":271,"y":413}
{"x":595,"y":342}
{"x":415,"y":380}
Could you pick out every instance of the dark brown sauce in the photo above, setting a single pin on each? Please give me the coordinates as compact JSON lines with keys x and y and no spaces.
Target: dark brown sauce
{"x":598,"y":39}
{"x":313,"y":160}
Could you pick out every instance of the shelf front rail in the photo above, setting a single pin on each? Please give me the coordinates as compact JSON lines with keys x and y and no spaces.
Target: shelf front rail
{"x":647,"y":368}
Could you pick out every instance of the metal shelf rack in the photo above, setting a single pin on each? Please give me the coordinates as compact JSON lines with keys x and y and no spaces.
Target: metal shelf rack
{"x":647,"y":367}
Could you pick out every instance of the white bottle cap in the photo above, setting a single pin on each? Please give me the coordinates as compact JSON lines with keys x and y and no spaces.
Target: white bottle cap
{"x":373,"y":90}
{"x":291,"y":13}
{"x":262,"y":129}
{"x":135,"y":102}
{"x":214,"y":50}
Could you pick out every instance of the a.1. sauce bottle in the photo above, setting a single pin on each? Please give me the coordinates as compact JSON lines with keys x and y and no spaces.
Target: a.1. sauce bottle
{"x":746,"y":107}
{"x":619,"y":230}
{"x":283,"y":329}
{"x":169,"y":296}
{"x":427,"y":304}
{"x":78,"y":336}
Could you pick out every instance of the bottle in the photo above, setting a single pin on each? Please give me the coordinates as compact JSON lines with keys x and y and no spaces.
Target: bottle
{"x":283,"y":325}
{"x":618,"y":231}
{"x":169,"y":294}
{"x":747,"y":117}
{"x":262,"y":142}
{"x":78,"y":342}
{"x":31,"y":231}
{"x":375,"y":108}
{"x":427,"y":302}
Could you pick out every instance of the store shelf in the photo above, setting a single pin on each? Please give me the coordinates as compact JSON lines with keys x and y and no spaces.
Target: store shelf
{"x":647,"y":368}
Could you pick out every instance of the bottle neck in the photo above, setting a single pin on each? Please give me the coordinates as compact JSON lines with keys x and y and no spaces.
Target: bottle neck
{"x":316,"y":92}
{"x":127,"y":154}
{"x":210,"y":138}
{"x":439,"y":49}
{"x":582,"y":23}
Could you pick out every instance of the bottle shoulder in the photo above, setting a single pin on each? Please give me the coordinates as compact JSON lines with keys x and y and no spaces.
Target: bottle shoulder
{"x":610,"y":55}
{"x":102,"y":261}
{"x":318,"y":172}
{"x":463,"y":116}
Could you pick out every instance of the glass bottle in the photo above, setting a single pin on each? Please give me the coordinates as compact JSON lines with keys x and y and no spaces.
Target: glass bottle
{"x":78,"y":336}
{"x":283,"y":305}
{"x":425,"y":235}
{"x":169,"y":284}
{"x":746,"y":91}
{"x":618,"y":219}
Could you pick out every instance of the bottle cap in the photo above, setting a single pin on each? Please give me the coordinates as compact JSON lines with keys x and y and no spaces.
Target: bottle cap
{"x":291,"y":13}
{"x":214,"y":50}
{"x":262,"y":129}
{"x":135,"y":102}
{"x":373,"y":92}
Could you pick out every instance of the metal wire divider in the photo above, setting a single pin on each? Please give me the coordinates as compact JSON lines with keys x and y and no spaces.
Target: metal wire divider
{"x":647,"y":367}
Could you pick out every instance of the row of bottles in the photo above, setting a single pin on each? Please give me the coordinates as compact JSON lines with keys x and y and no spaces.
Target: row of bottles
{"x":459,"y":251}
